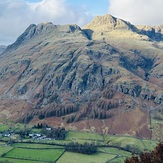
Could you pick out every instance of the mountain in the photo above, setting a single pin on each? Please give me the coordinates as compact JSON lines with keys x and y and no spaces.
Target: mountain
{"x":108,"y":23}
{"x":2,"y":48}
{"x":105,"y":77}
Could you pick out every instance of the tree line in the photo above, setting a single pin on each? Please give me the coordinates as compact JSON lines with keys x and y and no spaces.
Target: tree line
{"x":58,"y":133}
{"x":86,"y":148}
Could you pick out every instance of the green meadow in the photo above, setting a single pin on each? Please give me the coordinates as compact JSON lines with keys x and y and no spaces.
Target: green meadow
{"x":111,"y":148}
{"x":49,"y":155}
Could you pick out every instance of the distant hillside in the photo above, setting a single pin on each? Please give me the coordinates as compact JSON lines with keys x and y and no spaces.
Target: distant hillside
{"x":106,"y":77}
{"x":2,"y":48}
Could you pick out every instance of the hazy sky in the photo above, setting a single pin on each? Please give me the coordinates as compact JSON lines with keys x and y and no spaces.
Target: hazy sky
{"x":17,"y":15}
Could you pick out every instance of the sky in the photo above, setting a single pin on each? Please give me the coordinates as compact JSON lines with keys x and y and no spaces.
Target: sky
{"x":17,"y":15}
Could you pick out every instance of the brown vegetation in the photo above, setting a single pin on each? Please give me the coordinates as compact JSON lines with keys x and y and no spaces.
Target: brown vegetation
{"x":155,"y":156}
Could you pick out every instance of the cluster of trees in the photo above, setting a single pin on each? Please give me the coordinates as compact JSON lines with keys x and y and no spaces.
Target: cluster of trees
{"x":58,"y":133}
{"x":26,"y":119}
{"x":40,"y":126}
{"x":24,"y":132}
{"x":56,"y":111}
{"x":71,"y":114}
{"x":106,"y":104}
{"x":155,"y":156}
{"x":85,"y":148}
{"x":133,"y":149}
{"x":93,"y":113}
{"x":61,"y":110}
{"x":99,"y":114}
{"x":108,"y":93}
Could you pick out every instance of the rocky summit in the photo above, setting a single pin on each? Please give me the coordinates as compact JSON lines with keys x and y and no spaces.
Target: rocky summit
{"x":106,"y":77}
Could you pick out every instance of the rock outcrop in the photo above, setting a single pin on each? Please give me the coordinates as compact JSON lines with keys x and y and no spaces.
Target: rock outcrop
{"x":108,"y":23}
{"x":155,"y":32}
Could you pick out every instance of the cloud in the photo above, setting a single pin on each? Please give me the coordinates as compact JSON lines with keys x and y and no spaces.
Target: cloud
{"x":138,"y":12}
{"x":17,"y":15}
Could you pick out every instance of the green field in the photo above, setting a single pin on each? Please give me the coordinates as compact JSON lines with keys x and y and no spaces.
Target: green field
{"x":130,"y":143}
{"x":69,"y":157}
{"x":34,"y":154}
{"x":82,"y":137}
{"x":2,"y":143}
{"x":4,"y":138}
{"x":3,"y":127}
{"x":32,"y":145}
{"x":18,"y":160}
{"x":114,"y":151}
{"x":4,"y":149}
{"x":77,"y":136}
{"x":35,"y":130}
{"x":13,"y":127}
{"x":38,"y":151}
{"x":118,"y":160}
{"x":48,"y":142}
{"x":150,"y":144}
{"x":74,"y":135}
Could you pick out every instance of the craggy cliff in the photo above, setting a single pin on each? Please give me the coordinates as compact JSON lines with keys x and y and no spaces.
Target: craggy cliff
{"x":105,"y":77}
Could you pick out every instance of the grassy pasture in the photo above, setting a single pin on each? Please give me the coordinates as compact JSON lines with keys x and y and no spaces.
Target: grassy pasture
{"x":118,"y":160}
{"x":32,"y":145}
{"x":34,"y":154}
{"x":49,"y":142}
{"x":150,"y":144}
{"x":4,"y":149}
{"x":4,"y":138}
{"x":18,"y":160}
{"x":115,"y":140}
{"x":3,"y":127}
{"x":69,"y":157}
{"x":130,"y":142}
{"x":2,"y":143}
{"x":114,"y":151}
{"x":76,"y":135}
{"x":35,"y":130}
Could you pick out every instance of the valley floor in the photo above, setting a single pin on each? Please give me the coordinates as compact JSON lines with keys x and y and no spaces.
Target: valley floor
{"x":111,"y":148}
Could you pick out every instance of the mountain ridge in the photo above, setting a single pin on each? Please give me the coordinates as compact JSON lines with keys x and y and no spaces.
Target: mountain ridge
{"x":107,"y":81}
{"x":109,"y":22}
{"x":42,"y":28}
